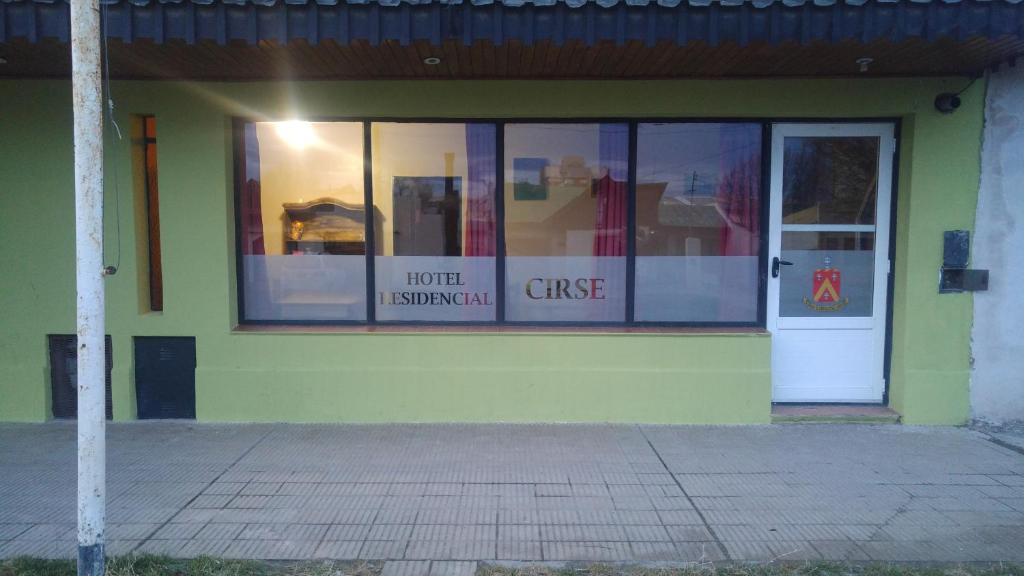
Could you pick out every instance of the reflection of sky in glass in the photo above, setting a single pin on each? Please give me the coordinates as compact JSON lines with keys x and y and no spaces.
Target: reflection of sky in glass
{"x":689,"y":157}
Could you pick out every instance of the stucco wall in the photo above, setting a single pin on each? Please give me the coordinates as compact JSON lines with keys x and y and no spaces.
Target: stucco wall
{"x":997,"y":378}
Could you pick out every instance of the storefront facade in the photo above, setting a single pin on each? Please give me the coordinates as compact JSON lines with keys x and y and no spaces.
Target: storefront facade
{"x":664,"y":251}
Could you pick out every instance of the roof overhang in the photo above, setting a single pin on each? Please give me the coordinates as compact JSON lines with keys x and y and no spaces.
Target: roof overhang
{"x":240,"y":39}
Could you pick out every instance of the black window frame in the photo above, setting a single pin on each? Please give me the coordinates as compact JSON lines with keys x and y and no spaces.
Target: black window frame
{"x":633,"y":123}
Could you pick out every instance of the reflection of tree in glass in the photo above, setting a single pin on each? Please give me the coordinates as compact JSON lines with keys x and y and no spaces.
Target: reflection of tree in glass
{"x":830,"y":180}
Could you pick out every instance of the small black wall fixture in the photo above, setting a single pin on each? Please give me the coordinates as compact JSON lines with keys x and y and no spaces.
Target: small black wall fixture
{"x":947,"y":102}
{"x":954,"y":276}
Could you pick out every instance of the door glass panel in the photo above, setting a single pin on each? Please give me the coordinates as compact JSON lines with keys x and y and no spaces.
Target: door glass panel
{"x":829,"y":180}
{"x":832,"y":274}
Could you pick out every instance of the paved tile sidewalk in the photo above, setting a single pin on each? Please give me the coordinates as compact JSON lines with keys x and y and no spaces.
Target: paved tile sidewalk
{"x":466,"y":493}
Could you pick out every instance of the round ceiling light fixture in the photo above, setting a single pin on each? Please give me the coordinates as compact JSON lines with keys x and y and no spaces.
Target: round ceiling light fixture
{"x":864,"y":63}
{"x":432,"y":61}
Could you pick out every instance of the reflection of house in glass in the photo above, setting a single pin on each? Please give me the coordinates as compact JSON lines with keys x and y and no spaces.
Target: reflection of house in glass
{"x":672,"y":226}
{"x":564,"y":223}
{"x":573,"y":171}
{"x":562,"y":219}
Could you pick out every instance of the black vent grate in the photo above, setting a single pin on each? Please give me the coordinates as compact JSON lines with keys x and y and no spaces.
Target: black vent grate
{"x":64,"y":375}
{"x":165,"y":377}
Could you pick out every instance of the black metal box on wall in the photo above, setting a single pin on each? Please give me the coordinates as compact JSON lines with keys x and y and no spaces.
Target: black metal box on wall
{"x":955,"y":276}
{"x":165,"y":377}
{"x":956,"y":248}
{"x":64,"y":375}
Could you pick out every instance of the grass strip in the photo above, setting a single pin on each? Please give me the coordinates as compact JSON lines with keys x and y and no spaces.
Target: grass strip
{"x":149,"y":565}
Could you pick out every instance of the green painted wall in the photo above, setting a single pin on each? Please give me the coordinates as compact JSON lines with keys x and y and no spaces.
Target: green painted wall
{"x":498,"y":376}
{"x":938,"y":186}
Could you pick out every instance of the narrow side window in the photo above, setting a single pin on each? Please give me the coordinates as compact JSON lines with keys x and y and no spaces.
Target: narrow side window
{"x":148,"y":201}
{"x":153,"y":213}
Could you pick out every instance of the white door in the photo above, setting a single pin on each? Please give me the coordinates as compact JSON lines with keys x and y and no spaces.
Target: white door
{"x":828,"y":250}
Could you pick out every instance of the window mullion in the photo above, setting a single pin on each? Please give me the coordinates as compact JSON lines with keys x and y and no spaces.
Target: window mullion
{"x":369,"y":221}
{"x":499,"y":229}
{"x":631,"y":222}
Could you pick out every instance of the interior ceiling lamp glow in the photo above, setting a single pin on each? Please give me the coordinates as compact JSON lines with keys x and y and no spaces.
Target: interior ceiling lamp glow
{"x":296,"y":133}
{"x":432,"y":60}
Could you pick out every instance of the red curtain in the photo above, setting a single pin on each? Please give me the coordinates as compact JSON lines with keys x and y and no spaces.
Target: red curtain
{"x":481,"y":163}
{"x":610,"y":232}
{"x":739,"y":189}
{"x":252,"y":211}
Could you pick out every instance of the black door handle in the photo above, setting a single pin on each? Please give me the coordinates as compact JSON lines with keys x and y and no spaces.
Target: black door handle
{"x":776,"y":263}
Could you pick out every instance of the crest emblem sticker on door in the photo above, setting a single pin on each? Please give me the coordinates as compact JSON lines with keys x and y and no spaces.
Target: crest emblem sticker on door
{"x":826,"y":285}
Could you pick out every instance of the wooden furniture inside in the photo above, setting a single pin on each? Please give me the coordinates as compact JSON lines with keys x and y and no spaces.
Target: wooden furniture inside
{"x":327,"y":226}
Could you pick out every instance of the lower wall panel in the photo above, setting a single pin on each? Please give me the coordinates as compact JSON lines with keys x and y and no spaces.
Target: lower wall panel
{"x":935,"y":397}
{"x":690,"y":385}
{"x":24,"y":393}
{"x":461,"y":396}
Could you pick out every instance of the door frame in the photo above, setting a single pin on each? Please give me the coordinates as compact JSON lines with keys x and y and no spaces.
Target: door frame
{"x":846,"y":126}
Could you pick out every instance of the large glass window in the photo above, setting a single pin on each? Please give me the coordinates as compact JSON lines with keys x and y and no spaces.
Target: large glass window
{"x":302,"y":221}
{"x":565,"y":222}
{"x":697,"y":212}
{"x":434,"y":186}
{"x":518,"y":222}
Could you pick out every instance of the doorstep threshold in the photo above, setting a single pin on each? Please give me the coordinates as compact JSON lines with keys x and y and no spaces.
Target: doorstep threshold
{"x":833,"y":414}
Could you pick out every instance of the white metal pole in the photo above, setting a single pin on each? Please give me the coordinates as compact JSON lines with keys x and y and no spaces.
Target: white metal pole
{"x":87,"y":93}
